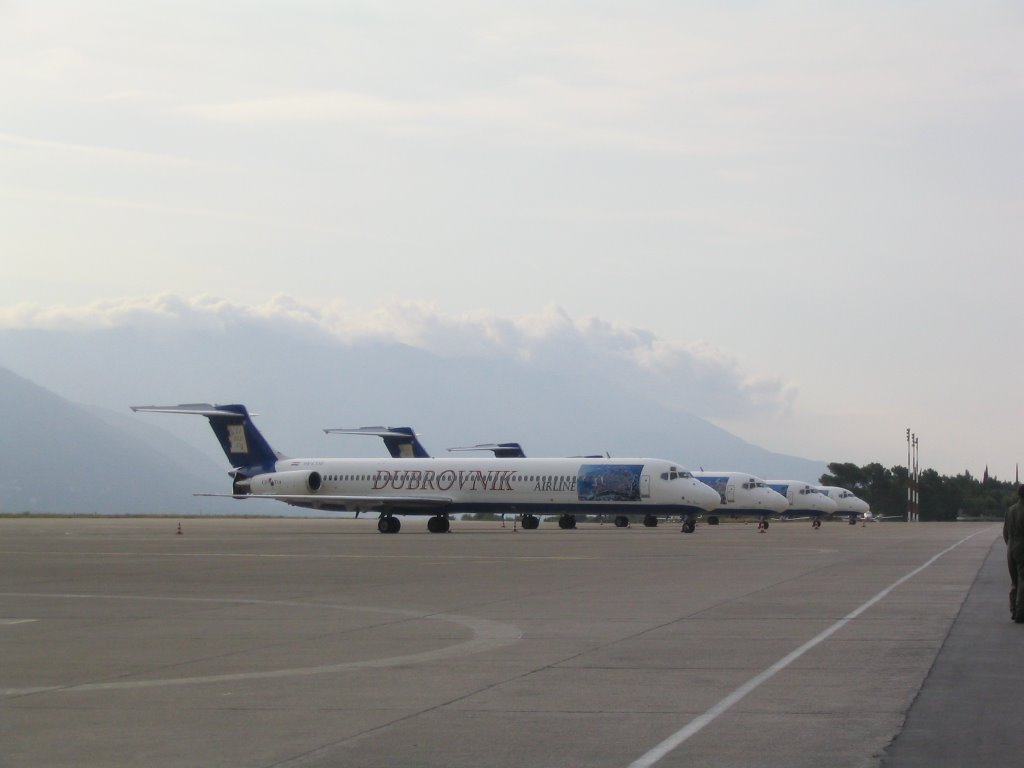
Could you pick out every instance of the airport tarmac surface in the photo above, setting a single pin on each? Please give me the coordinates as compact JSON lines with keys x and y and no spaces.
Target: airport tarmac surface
{"x":311,"y":642}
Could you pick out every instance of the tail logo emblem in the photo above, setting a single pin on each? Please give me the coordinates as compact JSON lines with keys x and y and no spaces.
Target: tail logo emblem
{"x":236,"y":439}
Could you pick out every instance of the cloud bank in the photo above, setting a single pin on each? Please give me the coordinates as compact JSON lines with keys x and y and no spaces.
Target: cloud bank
{"x":693,"y":377}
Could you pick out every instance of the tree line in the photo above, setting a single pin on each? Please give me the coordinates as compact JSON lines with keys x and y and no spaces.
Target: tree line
{"x":940,"y":497}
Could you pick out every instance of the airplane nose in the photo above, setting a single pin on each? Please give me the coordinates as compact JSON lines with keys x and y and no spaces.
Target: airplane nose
{"x":704,"y":496}
{"x":776,"y":502}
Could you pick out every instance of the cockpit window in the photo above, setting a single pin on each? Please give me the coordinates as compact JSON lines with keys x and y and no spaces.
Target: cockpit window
{"x":675,"y":474}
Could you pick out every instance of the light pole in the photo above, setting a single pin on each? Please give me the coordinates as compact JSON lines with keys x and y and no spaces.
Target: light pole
{"x":910,"y":494}
{"x":917,"y":483}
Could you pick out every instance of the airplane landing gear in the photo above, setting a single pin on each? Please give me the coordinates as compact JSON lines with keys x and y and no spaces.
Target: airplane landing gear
{"x":530,"y":522}
{"x":566,"y":522}
{"x":650,"y":521}
{"x":621,"y":521}
{"x":438,"y":524}
{"x":389,"y":524}
{"x":816,"y":523}
{"x":689,"y":526}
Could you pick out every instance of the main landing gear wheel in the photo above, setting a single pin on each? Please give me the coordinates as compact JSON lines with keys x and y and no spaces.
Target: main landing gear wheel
{"x":566,"y":522}
{"x":816,"y":523}
{"x":389,"y":524}
{"x":621,"y":521}
{"x":650,"y":521}
{"x":438,"y":524}
{"x":713,"y":520}
{"x":689,"y":526}
{"x":530,"y":522}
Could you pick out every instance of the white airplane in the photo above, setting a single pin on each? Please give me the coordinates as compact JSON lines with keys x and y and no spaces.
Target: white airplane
{"x":439,"y":487}
{"x":848,"y":505}
{"x":739,"y":494}
{"x":515,"y":450}
{"x":804,"y":500}
{"x":871,"y":517}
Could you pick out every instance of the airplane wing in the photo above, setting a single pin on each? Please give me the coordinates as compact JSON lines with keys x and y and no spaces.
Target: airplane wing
{"x":426,"y":503}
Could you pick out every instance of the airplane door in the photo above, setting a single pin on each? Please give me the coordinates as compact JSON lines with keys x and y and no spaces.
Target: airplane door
{"x":730,"y":494}
{"x":645,"y":486}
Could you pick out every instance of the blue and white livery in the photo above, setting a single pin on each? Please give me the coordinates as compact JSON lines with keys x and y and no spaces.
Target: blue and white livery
{"x":440,"y":487}
{"x":848,"y":505}
{"x":742,"y":495}
{"x":805,"y":500}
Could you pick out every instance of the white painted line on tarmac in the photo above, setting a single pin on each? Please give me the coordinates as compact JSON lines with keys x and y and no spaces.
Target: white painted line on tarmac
{"x":488,"y":635}
{"x":8,"y":622}
{"x":698,"y":724}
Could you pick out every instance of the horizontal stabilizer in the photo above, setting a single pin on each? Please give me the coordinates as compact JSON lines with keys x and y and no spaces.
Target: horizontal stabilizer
{"x":372,"y":431}
{"x":401,"y":442}
{"x":500,"y":450}
{"x":198,"y":409}
{"x":246,"y":449}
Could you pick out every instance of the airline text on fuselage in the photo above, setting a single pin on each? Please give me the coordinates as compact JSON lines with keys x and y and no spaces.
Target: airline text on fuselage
{"x":471,"y":480}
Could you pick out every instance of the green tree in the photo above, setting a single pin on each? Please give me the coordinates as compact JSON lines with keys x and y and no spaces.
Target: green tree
{"x":940,"y":497}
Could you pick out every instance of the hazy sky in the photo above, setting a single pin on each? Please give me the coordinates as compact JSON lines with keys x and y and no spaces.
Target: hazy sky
{"x":827,"y":197}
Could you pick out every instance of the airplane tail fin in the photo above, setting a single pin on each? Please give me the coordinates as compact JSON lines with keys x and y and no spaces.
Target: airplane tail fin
{"x":406,"y":443}
{"x":243,"y":444}
{"x":500,"y":450}
{"x":401,"y":442}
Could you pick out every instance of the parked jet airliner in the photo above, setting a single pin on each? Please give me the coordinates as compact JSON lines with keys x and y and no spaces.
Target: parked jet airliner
{"x":848,"y":505}
{"x":804,"y":500}
{"x":739,"y":493}
{"x":439,"y":487}
{"x":515,"y":451}
{"x":742,"y":494}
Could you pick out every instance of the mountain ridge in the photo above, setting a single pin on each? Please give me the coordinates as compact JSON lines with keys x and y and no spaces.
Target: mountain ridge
{"x":304,"y":384}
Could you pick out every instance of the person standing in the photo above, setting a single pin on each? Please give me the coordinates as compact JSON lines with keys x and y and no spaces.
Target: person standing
{"x":1013,"y":535}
